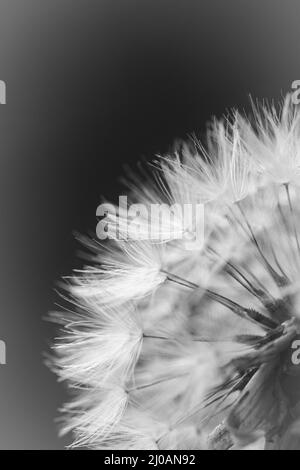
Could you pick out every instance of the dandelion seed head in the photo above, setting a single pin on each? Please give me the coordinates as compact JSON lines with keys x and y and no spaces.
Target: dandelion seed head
{"x":166,"y":344}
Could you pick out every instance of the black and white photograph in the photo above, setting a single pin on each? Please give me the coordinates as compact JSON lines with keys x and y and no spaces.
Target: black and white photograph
{"x":150,"y":235}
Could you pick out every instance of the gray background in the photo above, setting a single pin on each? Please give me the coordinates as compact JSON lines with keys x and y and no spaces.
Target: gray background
{"x":92,"y":85}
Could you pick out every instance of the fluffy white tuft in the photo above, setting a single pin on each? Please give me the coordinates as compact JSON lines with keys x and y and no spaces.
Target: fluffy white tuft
{"x":175,"y":348}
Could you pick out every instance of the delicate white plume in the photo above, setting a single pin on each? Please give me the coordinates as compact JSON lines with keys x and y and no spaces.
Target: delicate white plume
{"x":175,"y":348}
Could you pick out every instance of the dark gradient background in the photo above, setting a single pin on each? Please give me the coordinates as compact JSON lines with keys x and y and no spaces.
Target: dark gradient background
{"x":92,"y":85}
